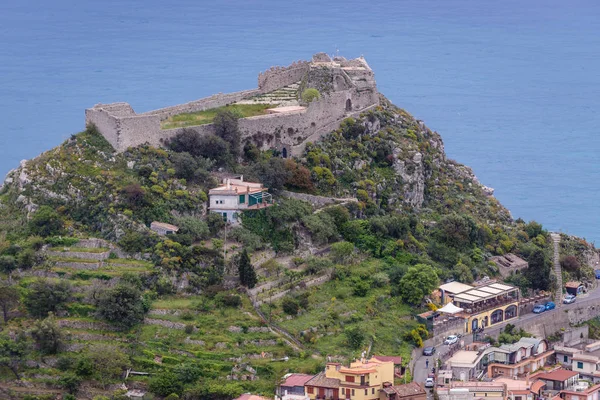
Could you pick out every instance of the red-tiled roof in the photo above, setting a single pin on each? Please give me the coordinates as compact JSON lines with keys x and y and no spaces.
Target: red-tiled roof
{"x":560,"y":375}
{"x":573,"y":285}
{"x":537,"y":386}
{"x":409,"y":389}
{"x":297,"y":380}
{"x":164,"y":225}
{"x":320,"y":380}
{"x":397,"y":360}
{"x":248,"y":396}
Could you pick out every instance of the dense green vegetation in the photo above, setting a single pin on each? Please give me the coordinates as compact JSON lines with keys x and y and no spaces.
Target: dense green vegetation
{"x":195,"y":307}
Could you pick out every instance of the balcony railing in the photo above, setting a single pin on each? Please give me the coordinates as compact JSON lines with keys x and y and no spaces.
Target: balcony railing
{"x":488,"y":305}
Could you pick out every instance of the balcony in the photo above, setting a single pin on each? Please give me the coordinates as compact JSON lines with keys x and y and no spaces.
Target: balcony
{"x":487,"y":305}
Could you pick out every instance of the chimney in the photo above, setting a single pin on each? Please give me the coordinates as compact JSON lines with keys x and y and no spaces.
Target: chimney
{"x":227,"y":184}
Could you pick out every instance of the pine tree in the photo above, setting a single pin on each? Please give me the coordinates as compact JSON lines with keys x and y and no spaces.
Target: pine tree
{"x":247,"y":274}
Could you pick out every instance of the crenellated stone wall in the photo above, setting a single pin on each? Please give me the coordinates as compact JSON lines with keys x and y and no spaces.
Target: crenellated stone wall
{"x":351,"y":89}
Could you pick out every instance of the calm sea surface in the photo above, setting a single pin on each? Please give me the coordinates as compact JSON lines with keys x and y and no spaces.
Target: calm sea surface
{"x":512,"y":86}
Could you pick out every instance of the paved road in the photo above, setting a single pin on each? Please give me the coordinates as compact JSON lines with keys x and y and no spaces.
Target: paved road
{"x":420,"y":372}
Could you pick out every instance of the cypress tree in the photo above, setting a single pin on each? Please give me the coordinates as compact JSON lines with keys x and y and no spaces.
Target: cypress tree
{"x":247,"y":274}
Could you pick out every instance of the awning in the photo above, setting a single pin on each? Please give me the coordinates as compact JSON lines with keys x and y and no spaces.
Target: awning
{"x":450,"y":309}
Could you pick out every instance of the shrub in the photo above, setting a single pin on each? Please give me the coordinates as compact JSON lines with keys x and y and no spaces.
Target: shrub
{"x":228,"y":300}
{"x":354,"y":337}
{"x":226,"y":127}
{"x":189,"y":328}
{"x":380,"y":279}
{"x":64,"y":362}
{"x":321,"y":226}
{"x":8,"y":263}
{"x":342,"y":252}
{"x":70,"y":382}
{"x":44,"y":296}
{"x":165,"y":383}
{"x":47,"y":335}
{"x":310,"y":95}
{"x":195,"y":227}
{"x":290,"y":306}
{"x":46,"y":222}
{"x":121,"y":305}
{"x":360,"y":288}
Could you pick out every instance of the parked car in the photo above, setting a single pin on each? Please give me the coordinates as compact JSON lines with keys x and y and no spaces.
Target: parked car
{"x":428,"y":351}
{"x":550,"y":305}
{"x":451,"y":339}
{"x":429,"y":382}
{"x":597,"y":272}
{"x":540,"y":308}
{"x":569,"y":299}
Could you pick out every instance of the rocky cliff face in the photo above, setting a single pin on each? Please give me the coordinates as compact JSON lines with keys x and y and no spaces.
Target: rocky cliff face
{"x":394,"y":161}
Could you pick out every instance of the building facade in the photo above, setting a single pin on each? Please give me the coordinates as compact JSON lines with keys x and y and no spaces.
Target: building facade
{"x":235,"y":196}
{"x":362,"y":380}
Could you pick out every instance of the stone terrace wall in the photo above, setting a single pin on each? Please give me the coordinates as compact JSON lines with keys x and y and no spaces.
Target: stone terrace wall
{"x":217,"y":100}
{"x":277,"y":77}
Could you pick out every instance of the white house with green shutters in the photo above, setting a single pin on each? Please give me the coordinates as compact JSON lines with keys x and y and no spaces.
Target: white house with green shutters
{"x":235,"y":196}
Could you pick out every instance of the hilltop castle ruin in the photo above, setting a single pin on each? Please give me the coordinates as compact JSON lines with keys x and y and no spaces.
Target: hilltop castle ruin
{"x":347,"y":88}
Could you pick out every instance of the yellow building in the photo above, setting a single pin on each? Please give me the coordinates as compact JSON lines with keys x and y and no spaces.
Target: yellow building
{"x":484,"y":305}
{"x":488,"y":305}
{"x":362,"y":380}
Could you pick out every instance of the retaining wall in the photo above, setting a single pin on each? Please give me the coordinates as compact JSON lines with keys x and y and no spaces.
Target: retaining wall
{"x":317,"y":201}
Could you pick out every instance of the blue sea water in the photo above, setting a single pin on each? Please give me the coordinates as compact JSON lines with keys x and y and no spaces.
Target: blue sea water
{"x":512,"y":86}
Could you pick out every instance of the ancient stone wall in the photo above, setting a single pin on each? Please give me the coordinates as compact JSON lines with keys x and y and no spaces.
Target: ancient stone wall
{"x":217,"y":100}
{"x":106,"y":124}
{"x":277,"y":77}
{"x":123,"y":128}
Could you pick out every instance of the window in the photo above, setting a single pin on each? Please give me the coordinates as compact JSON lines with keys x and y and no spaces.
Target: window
{"x":349,"y":378}
{"x":579,"y":365}
{"x":310,"y":390}
{"x":366,"y":392}
{"x":242,"y":198}
{"x":373,"y":391}
{"x":565,"y":358}
{"x":343,"y":391}
{"x":352,"y":392}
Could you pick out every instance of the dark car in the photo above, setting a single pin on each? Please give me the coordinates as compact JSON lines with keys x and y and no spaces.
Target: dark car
{"x":540,"y":308}
{"x":428,"y":351}
{"x":597,"y":272}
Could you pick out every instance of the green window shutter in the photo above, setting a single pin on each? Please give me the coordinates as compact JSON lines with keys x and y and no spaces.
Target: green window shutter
{"x":579,"y":365}
{"x":242,"y":198}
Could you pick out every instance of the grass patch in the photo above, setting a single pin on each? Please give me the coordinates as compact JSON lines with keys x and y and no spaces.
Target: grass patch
{"x":128,"y":261}
{"x":207,"y":116}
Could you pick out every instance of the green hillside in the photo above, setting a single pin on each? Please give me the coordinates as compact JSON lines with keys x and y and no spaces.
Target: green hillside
{"x":330,"y":281}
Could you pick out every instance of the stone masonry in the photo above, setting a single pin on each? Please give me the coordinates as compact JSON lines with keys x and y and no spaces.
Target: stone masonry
{"x":347,"y":88}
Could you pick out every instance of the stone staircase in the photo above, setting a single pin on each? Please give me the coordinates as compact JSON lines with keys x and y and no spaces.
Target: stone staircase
{"x":557,"y":269}
{"x":282,"y":97}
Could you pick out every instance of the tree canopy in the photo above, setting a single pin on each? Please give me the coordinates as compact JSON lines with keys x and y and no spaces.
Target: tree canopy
{"x":418,"y":282}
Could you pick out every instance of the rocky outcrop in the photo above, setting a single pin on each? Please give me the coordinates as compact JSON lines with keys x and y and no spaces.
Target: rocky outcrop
{"x":412,"y":173}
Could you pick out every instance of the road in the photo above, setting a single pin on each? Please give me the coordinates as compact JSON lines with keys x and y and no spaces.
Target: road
{"x":420,"y":372}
